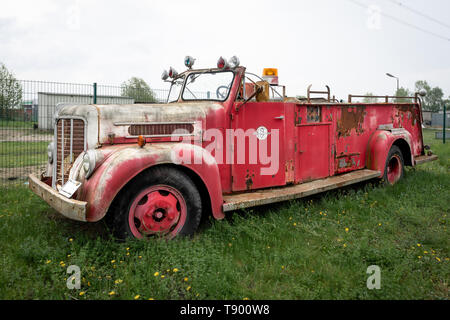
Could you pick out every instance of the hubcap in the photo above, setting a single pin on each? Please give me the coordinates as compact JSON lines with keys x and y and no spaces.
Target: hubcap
{"x":157,"y":210}
{"x":394,"y":169}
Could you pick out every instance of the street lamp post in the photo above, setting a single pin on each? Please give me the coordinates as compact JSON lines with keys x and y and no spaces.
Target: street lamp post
{"x":398,"y":80}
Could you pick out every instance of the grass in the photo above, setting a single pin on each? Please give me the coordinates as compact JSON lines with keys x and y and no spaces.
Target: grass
{"x":317,"y":248}
{"x":15,"y":154}
{"x":17,"y":124}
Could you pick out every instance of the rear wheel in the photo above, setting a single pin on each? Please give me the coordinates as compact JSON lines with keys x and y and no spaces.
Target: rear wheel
{"x":161,"y":202}
{"x":394,"y":169}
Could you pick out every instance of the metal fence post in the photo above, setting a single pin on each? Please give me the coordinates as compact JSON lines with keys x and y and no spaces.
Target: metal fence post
{"x":95,"y":92}
{"x":444,"y":121}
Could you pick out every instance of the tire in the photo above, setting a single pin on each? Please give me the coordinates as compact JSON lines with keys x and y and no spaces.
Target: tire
{"x":394,"y":169}
{"x":162,"y":201}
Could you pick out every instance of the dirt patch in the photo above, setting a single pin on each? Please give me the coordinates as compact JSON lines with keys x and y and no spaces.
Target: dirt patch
{"x":18,"y":175}
{"x":24,"y":135}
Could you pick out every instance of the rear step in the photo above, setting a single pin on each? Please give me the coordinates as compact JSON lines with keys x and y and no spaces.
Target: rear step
{"x":262,"y":197}
{"x":425,"y":159}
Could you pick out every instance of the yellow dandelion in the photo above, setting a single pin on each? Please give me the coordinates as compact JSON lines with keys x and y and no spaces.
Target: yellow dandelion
{"x":419,"y":245}
{"x":186,"y":279}
{"x":151,"y":299}
{"x":425,"y":252}
{"x":112,"y":293}
{"x":137,"y":297}
{"x":140,"y":257}
{"x":89,"y":284}
{"x":345,"y":245}
{"x":128,"y":249}
{"x":379,"y":224}
{"x":245,"y":298}
{"x":294,"y":224}
{"x":175,"y":270}
{"x":82,"y":293}
{"x":69,"y":255}
{"x":438,"y":259}
{"x":420,"y":257}
{"x":188,"y":288}
{"x":128,"y":253}
{"x":346,"y":229}
{"x":113,"y":261}
{"x":70,"y":240}
{"x":163,"y":276}
{"x":118,"y":281}
{"x":48,"y":261}
{"x":282,"y":267}
{"x":156,"y":274}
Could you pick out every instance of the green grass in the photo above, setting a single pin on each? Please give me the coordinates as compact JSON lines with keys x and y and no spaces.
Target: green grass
{"x":15,"y":154}
{"x":16,"y":124}
{"x":317,"y":248}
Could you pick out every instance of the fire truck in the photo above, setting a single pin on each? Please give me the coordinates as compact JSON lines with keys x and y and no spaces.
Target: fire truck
{"x":225,"y":139}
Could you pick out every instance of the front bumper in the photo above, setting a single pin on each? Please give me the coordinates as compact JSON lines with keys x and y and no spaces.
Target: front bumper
{"x":70,"y":208}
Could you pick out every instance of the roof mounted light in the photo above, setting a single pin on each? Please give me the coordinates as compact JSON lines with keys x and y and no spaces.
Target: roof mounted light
{"x":165,"y":75}
{"x":189,"y":61}
{"x":271,"y":76}
{"x":234,"y":62}
{"x":172,"y":72}
{"x":222,"y":63}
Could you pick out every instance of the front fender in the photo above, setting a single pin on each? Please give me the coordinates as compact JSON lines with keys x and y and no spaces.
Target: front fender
{"x":122,"y":165}
{"x":379,"y":145}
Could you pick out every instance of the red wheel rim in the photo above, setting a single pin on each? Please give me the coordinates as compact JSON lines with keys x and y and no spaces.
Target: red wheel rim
{"x":394,"y":169}
{"x":157,"y":210}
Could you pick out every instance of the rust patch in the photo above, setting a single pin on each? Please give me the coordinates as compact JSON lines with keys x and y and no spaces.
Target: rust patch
{"x":351,"y":118}
{"x":249,"y":180}
{"x":409,"y":111}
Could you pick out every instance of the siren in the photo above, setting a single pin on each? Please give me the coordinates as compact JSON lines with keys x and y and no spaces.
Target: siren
{"x":271,"y":76}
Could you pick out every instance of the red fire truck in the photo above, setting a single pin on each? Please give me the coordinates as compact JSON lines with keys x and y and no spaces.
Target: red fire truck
{"x":226,"y":139}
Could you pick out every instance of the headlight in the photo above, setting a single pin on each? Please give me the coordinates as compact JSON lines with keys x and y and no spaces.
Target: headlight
{"x":50,"y":149}
{"x":89,"y":160}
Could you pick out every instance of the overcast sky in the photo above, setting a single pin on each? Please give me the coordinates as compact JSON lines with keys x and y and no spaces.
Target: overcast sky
{"x":319,"y":42}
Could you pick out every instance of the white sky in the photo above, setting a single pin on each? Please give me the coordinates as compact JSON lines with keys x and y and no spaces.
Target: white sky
{"x":317,"y":42}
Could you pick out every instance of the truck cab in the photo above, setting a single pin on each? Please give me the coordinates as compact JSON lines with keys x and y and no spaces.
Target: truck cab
{"x":225,"y":139}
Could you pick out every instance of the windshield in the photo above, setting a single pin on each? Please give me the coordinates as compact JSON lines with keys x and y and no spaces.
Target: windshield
{"x":208,"y":86}
{"x":175,"y":89}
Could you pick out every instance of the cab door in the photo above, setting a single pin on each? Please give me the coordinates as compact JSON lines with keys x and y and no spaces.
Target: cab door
{"x":258,"y":146}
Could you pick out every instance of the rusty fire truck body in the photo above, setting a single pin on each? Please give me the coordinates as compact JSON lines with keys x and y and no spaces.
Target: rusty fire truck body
{"x":156,"y":168}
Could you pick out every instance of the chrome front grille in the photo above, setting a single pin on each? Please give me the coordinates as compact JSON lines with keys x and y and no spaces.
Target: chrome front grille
{"x":70,"y":142}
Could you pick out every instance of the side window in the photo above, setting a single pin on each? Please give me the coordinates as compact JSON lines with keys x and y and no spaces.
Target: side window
{"x":314,"y":114}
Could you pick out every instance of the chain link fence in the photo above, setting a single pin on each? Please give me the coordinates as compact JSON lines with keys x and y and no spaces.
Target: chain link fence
{"x":26,"y":118}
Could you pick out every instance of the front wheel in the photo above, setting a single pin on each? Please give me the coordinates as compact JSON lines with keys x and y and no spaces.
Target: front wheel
{"x":162,"y":201}
{"x":394,"y":168}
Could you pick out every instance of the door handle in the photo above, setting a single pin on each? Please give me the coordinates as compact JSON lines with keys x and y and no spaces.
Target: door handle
{"x":279,"y":118}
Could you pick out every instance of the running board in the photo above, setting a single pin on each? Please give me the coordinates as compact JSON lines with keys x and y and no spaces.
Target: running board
{"x":267,"y":196}
{"x":425,"y":159}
